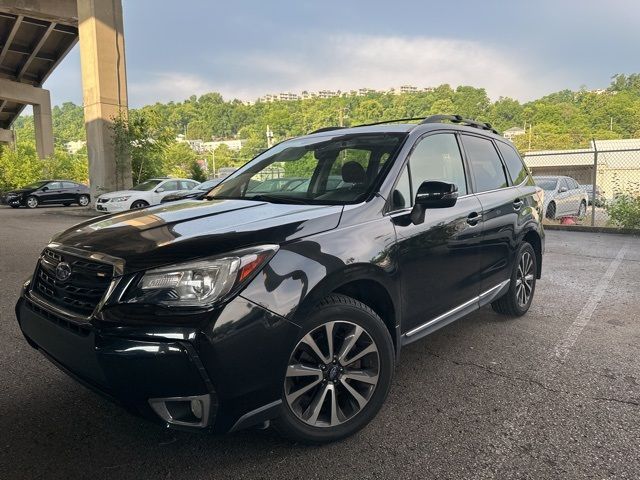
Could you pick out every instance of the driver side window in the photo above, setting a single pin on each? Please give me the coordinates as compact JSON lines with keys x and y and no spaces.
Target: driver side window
{"x":438,"y":157}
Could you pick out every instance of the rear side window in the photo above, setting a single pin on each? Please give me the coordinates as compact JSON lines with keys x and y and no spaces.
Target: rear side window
{"x":486,"y":166}
{"x":517,"y":170}
{"x":69,"y":185}
{"x":437,"y":157}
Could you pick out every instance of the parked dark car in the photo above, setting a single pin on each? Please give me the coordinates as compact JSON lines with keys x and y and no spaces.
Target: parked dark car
{"x":196,"y":192}
{"x":49,"y":192}
{"x":292,"y":307}
{"x":600,"y":199}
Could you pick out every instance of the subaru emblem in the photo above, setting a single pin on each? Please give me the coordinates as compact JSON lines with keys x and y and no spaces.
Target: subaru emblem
{"x":63,"y":271}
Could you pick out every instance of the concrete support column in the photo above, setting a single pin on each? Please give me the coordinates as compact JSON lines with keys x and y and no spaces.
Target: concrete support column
{"x":104,"y":85}
{"x":43,"y":126}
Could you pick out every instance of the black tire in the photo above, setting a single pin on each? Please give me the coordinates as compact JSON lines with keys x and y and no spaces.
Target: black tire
{"x":509,"y":304}
{"x":582,"y":209}
{"x":551,"y":211}
{"x":84,"y":200}
{"x":32,"y":202}
{"x":139,"y":204}
{"x":341,"y":310}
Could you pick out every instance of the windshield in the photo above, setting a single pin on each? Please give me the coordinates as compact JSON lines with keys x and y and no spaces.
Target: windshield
{"x":320,"y":170}
{"x":548,"y":184}
{"x":34,"y":185}
{"x":148,"y":185}
{"x":208,"y":185}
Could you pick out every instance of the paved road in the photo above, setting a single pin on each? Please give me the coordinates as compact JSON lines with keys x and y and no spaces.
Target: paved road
{"x":555,"y":394}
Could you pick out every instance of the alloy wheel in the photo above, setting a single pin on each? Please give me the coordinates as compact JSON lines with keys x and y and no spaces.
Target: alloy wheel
{"x":32,"y":202}
{"x":332,"y":374}
{"x":524,"y":279}
{"x":84,"y":200}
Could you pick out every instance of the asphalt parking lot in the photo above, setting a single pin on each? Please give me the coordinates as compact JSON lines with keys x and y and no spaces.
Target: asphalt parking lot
{"x":554,"y":394}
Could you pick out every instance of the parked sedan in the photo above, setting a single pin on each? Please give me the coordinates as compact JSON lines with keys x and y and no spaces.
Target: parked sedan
{"x":562,"y":197}
{"x":196,"y":192}
{"x":147,"y":193}
{"x":49,"y":192}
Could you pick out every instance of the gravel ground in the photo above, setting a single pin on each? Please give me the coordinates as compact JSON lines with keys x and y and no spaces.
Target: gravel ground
{"x":554,"y":394}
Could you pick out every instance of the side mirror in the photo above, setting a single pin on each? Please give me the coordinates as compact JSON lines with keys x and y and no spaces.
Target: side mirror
{"x":562,"y":189}
{"x":433,"y":194}
{"x":44,"y":189}
{"x":159,"y":190}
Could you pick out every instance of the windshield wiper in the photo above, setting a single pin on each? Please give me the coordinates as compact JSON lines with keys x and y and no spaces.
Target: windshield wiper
{"x":276,"y":199}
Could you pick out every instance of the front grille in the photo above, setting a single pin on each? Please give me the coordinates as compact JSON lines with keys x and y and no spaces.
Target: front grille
{"x":82,"y":291}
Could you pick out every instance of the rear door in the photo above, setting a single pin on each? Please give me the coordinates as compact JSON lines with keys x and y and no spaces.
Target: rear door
{"x":438,"y":259}
{"x":70,"y":191}
{"x":501,"y":201}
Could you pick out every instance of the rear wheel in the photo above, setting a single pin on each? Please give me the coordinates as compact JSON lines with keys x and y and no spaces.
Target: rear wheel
{"x":339,"y":373}
{"x":83,"y":200}
{"x":582,"y":210}
{"x":32,"y":202}
{"x":139,"y":204}
{"x":551,"y":211}
{"x":517,"y":300}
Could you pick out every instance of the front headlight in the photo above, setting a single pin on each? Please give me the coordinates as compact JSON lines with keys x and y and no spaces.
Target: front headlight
{"x":120,"y":199}
{"x":199,"y":283}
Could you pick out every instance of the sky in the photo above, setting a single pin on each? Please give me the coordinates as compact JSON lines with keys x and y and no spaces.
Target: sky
{"x":247,"y":48}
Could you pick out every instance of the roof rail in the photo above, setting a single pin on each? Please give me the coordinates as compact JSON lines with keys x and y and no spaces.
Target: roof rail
{"x":325,"y":129}
{"x":462,"y":121}
{"x":423,"y":120}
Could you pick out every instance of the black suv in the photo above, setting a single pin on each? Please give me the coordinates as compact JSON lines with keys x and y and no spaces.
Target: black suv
{"x":49,"y":192}
{"x":243,"y":308}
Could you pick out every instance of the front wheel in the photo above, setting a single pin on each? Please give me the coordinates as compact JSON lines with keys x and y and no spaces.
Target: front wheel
{"x":139,"y":204}
{"x":32,"y":202}
{"x":339,"y":373}
{"x":551,"y":211}
{"x":517,"y":300}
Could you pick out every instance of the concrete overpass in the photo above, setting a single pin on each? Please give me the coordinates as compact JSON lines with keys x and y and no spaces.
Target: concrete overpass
{"x":35,"y":36}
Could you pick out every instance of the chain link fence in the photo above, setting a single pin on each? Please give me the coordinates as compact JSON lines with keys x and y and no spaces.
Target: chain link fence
{"x":597,"y":187}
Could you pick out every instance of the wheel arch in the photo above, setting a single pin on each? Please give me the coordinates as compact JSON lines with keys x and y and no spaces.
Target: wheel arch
{"x":365,"y":283}
{"x":533,"y":238}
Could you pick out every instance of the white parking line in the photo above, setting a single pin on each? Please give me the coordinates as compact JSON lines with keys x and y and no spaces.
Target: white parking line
{"x":571,"y":335}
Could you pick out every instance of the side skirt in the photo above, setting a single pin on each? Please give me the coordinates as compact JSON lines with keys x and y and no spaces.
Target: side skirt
{"x":456,"y":313}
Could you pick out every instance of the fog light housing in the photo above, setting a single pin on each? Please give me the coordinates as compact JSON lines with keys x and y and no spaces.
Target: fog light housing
{"x":193,"y":411}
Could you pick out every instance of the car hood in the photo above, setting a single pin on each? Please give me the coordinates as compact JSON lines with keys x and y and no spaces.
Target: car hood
{"x":189,"y":229}
{"x":121,"y":193}
{"x":20,"y":191}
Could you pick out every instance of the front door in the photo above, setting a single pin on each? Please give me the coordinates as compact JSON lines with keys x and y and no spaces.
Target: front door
{"x":438,"y":259}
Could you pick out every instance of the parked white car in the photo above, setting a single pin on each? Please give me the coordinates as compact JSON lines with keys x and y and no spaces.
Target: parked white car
{"x":563,"y":197}
{"x":142,"y":195}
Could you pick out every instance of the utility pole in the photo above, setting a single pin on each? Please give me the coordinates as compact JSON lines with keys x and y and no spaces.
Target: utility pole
{"x":213,"y":161}
{"x":269,"y":137}
{"x":530,"y":135}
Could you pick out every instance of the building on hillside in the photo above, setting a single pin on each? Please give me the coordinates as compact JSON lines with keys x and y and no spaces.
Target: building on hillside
{"x":365,"y":91}
{"x":233,"y":144}
{"x":618,"y":168}
{"x":327,"y":94}
{"x":288,"y":96}
{"x":513,"y":132}
{"x":74,"y":146}
{"x":407,"y":89}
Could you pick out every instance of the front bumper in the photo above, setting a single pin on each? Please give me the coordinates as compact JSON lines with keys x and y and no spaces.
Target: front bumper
{"x":112,"y":207}
{"x":234,"y":365}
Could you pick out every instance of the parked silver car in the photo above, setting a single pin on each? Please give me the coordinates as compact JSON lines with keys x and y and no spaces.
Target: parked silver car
{"x":562,"y":197}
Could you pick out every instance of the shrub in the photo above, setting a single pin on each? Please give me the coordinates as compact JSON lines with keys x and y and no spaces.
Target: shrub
{"x":624,"y":211}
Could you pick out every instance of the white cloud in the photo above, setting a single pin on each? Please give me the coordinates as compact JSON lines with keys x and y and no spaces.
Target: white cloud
{"x":348,"y":62}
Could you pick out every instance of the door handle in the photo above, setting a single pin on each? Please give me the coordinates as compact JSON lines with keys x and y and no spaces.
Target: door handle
{"x":517,"y":204}
{"x":473,"y":218}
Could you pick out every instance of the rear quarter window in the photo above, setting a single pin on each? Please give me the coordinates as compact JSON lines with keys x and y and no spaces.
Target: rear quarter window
{"x":517,"y":170}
